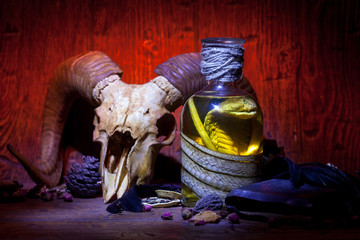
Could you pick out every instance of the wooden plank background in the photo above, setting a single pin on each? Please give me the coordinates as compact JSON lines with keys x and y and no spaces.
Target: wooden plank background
{"x":302,"y":58}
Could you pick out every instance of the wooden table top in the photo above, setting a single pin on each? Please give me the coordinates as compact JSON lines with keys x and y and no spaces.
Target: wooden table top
{"x":88,"y":219}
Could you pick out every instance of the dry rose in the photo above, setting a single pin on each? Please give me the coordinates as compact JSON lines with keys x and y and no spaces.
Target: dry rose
{"x":167,"y":216}
{"x":147,"y":208}
{"x":233,"y":218}
{"x":67,"y":197}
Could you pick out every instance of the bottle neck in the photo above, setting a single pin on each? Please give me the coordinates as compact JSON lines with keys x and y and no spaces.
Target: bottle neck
{"x":221,"y":88}
{"x":220,"y":85}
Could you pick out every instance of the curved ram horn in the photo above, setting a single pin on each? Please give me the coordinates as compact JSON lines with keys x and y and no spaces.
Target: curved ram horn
{"x":74,"y":78}
{"x":184,"y":73}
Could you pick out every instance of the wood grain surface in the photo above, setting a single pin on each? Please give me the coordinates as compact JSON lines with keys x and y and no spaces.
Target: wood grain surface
{"x":302,"y":58}
{"x":87,"y":219}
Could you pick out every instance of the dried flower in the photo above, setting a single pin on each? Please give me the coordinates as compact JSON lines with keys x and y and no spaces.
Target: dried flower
{"x":147,"y":208}
{"x":167,"y":216}
{"x":233,"y":218}
{"x":67,"y":197}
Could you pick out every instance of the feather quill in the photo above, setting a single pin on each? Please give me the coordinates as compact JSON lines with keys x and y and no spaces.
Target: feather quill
{"x":130,"y":201}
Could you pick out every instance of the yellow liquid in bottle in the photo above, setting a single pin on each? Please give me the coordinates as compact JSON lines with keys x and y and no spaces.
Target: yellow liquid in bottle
{"x":227,"y":124}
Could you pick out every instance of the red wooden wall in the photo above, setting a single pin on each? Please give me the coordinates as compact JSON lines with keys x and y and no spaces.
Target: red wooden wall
{"x":302,"y":58}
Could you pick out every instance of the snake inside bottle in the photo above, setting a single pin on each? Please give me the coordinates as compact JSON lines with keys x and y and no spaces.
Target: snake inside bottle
{"x":221,"y":139}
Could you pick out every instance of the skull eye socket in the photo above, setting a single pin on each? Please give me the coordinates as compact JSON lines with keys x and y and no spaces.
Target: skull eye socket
{"x":166,"y":127}
{"x":119,"y":146}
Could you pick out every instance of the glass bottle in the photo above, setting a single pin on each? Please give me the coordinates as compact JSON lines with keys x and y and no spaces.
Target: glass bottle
{"x":221,"y":127}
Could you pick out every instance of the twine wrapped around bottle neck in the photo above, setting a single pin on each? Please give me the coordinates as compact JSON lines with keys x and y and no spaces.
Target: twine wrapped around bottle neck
{"x":222,"y":59}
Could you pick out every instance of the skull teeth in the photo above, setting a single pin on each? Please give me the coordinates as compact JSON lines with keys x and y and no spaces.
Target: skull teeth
{"x":115,"y":165}
{"x":118,"y":148}
{"x":112,"y":162}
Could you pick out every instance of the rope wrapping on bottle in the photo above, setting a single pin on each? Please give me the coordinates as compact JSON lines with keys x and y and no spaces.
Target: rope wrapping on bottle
{"x":222,"y":59}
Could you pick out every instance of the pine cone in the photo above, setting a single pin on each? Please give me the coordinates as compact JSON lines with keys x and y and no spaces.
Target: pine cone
{"x":83,"y":179}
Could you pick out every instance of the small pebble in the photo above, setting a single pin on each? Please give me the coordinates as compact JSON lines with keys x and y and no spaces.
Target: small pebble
{"x":187,"y":213}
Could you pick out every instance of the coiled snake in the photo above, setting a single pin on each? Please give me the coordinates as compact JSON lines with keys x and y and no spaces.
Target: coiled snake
{"x":215,"y":163}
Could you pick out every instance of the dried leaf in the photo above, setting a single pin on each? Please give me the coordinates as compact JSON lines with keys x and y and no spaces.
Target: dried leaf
{"x":207,"y":216}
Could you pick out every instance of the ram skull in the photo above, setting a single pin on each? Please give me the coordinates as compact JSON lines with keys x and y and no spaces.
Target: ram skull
{"x":132,"y":124}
